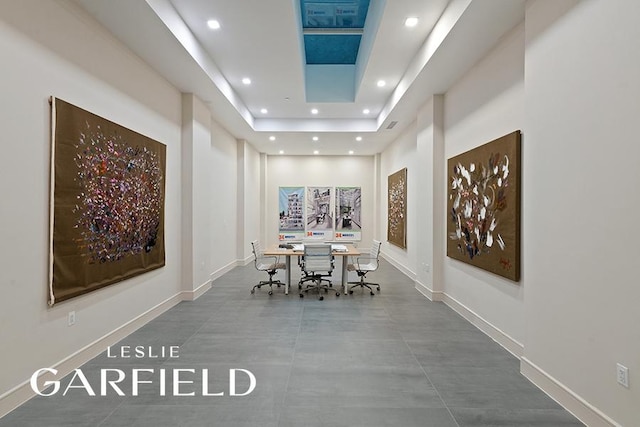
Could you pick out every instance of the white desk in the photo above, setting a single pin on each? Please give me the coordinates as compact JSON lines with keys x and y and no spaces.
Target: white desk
{"x":275,"y":250}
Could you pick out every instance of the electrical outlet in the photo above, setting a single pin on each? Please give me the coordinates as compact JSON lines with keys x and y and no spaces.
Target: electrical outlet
{"x":71,"y":318}
{"x":622,"y":374}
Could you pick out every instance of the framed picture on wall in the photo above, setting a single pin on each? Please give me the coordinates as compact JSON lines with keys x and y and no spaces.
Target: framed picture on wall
{"x":348,"y":213}
{"x":319,"y":214}
{"x":291,"y":213}
{"x":107,"y":203}
{"x":483,"y":206}
{"x":397,"y":208}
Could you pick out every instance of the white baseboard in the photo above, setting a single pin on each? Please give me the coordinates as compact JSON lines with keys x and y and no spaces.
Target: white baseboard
{"x":23,"y":392}
{"x":224,"y":270}
{"x":196,"y":293}
{"x":498,"y":335}
{"x":566,"y":398}
{"x":428,"y":292}
{"x":397,"y":264}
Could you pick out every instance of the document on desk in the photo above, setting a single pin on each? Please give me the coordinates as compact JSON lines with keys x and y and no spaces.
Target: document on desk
{"x":298,"y":247}
{"x":339,"y":248}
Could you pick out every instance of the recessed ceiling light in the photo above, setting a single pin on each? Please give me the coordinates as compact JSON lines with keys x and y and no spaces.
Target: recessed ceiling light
{"x":366,"y":111}
{"x":281,"y":152}
{"x":315,"y":138}
{"x":381,"y":83}
{"x":213,"y":24}
{"x":246,"y":81}
{"x":314,"y":111}
{"x":316,"y":152}
{"x":350,"y":151}
{"x":358,"y":138}
{"x":412,"y":21}
{"x":272,"y":138}
{"x":264,"y":111}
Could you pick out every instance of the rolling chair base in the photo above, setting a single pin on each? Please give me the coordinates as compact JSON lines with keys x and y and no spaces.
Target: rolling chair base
{"x":269,"y":283}
{"x":319,"y":287}
{"x":363,"y":285}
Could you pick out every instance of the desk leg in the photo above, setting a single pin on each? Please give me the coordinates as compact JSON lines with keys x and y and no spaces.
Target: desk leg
{"x":345,"y":277}
{"x":288,"y":280}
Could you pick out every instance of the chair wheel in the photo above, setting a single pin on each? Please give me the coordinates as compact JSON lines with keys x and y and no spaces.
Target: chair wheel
{"x":253,"y":291}
{"x":350,"y":292}
{"x":270,"y":292}
{"x":372,"y":293}
{"x":321,"y":298}
{"x":337,"y":294}
{"x":301,"y":295}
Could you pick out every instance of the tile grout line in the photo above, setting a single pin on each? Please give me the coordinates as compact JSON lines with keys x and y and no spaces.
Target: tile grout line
{"x":424,"y":372}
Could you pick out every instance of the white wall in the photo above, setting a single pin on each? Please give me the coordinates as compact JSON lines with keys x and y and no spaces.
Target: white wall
{"x":488,"y":102}
{"x":223,"y":193}
{"x":293,"y":171}
{"x":210,"y":212}
{"x":52,"y":48}
{"x":582,"y":172}
{"x":197,"y":200}
{"x":568,"y":78}
{"x":401,"y":154}
{"x":429,"y":234}
{"x":254,"y":205}
{"x":250,"y":199}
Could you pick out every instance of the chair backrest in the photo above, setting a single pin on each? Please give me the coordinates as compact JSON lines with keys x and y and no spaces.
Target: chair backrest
{"x":375,"y":249}
{"x":257,"y":250}
{"x":317,"y":258}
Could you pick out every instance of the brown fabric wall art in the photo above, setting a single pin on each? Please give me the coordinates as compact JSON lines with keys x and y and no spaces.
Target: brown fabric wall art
{"x":107,"y":203}
{"x":484,"y":206}
{"x":397,"y":205}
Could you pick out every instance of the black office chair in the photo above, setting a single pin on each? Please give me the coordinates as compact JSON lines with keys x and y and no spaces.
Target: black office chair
{"x":269,"y":264}
{"x":366,"y":264}
{"x":317,"y":264}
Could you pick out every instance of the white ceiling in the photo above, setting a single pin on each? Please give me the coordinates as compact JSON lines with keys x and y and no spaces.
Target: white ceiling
{"x":261,"y":39}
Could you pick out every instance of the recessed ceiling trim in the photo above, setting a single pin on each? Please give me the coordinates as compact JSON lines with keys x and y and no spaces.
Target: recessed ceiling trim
{"x":424,"y":76}
{"x":332,"y":31}
{"x":176,"y":25}
{"x":315,"y":125}
{"x":450,"y":17}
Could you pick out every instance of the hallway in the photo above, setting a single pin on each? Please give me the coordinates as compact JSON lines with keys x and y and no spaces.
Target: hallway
{"x":394,"y":359}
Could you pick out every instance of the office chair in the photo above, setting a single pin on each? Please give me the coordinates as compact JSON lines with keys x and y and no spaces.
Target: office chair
{"x":308,"y":276}
{"x":269,"y":264}
{"x":364,"y":265}
{"x":317,"y":263}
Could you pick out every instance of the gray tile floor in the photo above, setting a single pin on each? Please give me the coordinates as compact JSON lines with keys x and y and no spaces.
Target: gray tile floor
{"x":393,"y":359}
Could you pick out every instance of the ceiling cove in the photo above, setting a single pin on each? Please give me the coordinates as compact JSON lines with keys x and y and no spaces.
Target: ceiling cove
{"x":336,"y":36}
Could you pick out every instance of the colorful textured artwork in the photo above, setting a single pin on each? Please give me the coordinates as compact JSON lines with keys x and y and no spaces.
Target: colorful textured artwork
{"x":397,"y":206}
{"x":484,"y":206}
{"x":107,"y":220}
